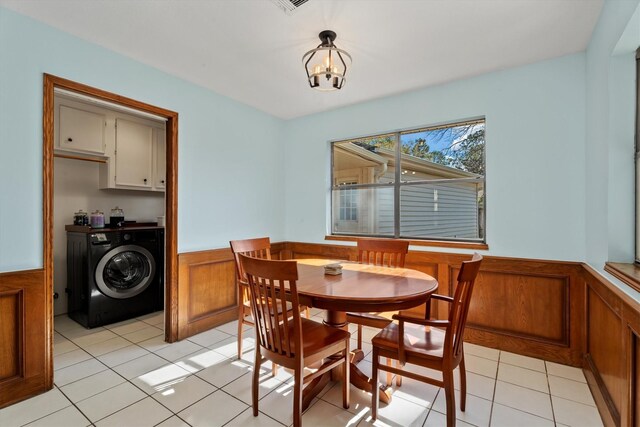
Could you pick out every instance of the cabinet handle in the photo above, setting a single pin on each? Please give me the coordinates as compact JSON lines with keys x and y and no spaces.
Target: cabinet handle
{"x":145,"y":180}
{"x":162,"y":182}
{"x":69,"y":139}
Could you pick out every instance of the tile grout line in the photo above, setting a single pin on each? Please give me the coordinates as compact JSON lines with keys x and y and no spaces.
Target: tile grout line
{"x":553,"y":412}
{"x":517,"y":385}
{"x":125,"y":381}
{"x":228,"y":423}
{"x":495,"y":386}
{"x":432,"y":405}
{"x":54,"y":412}
{"x":166,"y":419}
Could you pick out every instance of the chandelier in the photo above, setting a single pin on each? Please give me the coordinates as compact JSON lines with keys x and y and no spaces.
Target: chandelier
{"x":329,"y":67}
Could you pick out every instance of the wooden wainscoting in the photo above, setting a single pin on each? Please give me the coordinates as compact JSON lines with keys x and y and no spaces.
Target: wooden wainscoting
{"x":612,"y":350}
{"x":529,"y":307}
{"x":207,"y":292}
{"x":24,"y":336}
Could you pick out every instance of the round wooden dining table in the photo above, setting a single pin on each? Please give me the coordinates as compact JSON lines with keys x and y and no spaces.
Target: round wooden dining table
{"x":360,"y":288}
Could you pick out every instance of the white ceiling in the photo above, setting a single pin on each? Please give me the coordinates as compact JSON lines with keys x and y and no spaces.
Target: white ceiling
{"x":251,"y":51}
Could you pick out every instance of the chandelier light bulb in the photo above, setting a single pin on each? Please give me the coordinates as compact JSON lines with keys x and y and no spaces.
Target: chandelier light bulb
{"x":327,"y":62}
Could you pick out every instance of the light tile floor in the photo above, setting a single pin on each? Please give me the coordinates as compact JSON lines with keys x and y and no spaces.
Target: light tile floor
{"x":126,"y":375}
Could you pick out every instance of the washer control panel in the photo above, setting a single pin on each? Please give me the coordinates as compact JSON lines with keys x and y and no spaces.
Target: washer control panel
{"x":99,"y":239}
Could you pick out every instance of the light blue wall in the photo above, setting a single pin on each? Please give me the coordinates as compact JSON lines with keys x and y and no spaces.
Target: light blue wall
{"x":609,"y":139}
{"x":229,"y":154}
{"x":620,"y":186}
{"x":535,"y":132}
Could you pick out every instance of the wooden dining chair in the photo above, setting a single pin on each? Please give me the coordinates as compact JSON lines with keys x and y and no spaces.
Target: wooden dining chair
{"x":256,"y":248}
{"x":290,"y":341}
{"x":434,"y":344}
{"x":383,"y":252}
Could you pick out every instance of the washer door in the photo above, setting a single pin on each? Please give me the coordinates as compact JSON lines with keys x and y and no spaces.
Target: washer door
{"x":125,"y":271}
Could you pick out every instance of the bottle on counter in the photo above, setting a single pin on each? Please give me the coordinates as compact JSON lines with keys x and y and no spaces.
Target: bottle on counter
{"x":116,"y":218}
{"x":97,"y":219}
{"x":80,"y":218}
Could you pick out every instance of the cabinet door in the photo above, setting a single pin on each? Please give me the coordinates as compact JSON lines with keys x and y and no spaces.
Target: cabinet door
{"x":134,"y":151}
{"x":81,"y":131}
{"x":160,"y":160}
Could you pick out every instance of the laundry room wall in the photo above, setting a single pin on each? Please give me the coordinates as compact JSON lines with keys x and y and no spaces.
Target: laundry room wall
{"x":76,"y":186}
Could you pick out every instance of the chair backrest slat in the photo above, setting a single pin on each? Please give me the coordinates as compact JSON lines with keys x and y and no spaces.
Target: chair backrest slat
{"x":460,"y":306}
{"x":383,"y":252}
{"x":257,"y":308}
{"x":271,"y":284}
{"x":284,"y":319}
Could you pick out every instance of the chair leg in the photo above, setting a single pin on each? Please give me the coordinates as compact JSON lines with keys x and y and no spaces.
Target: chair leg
{"x":463,"y":384}
{"x":375,"y":389}
{"x":346,"y":381}
{"x":240,"y":325}
{"x":398,"y":376}
{"x":449,"y":393}
{"x":359,"y":337}
{"x":297,"y":397}
{"x":274,"y":369}
{"x":256,"y":379}
{"x":389,"y":374}
{"x":307,"y":313}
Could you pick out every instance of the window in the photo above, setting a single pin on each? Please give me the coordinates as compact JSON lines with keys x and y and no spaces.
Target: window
{"x":425,"y":183}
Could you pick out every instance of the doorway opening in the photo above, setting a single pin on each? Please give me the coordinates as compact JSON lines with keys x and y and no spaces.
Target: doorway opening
{"x":141,"y":114}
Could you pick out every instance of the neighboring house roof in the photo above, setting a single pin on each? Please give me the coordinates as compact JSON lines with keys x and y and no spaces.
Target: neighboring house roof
{"x":385,"y":157}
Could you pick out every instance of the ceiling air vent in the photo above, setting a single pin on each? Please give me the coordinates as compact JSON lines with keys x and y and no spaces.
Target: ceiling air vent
{"x":289,"y":6}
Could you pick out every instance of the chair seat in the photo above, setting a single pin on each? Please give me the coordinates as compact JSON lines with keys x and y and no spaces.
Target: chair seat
{"x":317,"y":337}
{"x":419,"y":341}
{"x":375,"y":320}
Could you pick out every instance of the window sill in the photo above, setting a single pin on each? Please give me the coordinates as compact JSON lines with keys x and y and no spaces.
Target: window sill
{"x":433,"y":243}
{"x":627,"y":272}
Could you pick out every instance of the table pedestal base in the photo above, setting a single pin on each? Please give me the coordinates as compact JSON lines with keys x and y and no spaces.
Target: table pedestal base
{"x":338,"y":319}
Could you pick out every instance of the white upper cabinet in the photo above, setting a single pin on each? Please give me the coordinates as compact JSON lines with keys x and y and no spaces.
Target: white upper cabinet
{"x":134,"y":154}
{"x":131,"y":147}
{"x":80,"y":131}
{"x":136,"y":158}
{"x":160,"y":159}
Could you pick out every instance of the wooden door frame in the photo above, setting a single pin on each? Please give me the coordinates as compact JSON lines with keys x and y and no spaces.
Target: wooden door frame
{"x":171,"y":200}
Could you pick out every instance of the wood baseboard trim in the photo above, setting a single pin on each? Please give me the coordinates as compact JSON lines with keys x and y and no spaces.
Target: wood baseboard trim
{"x":608,"y":413}
{"x":14,"y":391}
